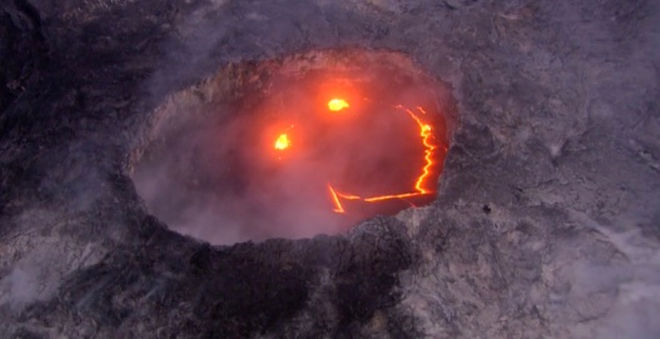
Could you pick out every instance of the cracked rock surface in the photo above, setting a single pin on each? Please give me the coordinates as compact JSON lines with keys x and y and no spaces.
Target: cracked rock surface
{"x":546,"y":222}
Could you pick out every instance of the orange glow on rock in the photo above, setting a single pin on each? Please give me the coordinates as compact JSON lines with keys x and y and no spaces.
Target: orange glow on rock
{"x":337,"y":104}
{"x":282,"y":142}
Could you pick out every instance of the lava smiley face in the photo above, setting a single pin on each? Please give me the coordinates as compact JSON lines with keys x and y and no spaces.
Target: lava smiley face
{"x":357,"y":142}
{"x":306,"y":145}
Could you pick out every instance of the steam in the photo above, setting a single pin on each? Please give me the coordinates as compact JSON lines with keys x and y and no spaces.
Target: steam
{"x":212,"y":172}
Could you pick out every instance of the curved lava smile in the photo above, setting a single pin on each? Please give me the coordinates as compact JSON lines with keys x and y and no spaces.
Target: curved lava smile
{"x":421,"y":185}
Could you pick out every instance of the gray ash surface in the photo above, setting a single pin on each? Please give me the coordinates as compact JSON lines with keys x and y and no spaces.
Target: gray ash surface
{"x":546,"y":222}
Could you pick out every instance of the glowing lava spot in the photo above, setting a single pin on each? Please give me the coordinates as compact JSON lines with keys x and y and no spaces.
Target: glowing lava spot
{"x":337,"y":104}
{"x":282,"y":142}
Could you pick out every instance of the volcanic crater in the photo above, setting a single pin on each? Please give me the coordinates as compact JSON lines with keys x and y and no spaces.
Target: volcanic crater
{"x":308,"y":144}
{"x":152,"y":184}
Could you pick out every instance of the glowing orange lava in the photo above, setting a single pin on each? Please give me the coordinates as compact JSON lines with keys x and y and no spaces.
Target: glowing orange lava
{"x":335,"y":199}
{"x":337,"y":104}
{"x":282,"y":142}
{"x":426,"y":135}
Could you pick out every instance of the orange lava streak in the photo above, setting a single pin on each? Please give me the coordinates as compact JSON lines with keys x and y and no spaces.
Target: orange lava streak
{"x":335,"y":199}
{"x":393,"y":196}
{"x":425,"y":133}
{"x":349,"y":196}
{"x":429,"y":147}
{"x":421,"y":109}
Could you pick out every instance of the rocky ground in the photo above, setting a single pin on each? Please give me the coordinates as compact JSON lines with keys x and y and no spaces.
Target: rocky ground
{"x":546,"y":222}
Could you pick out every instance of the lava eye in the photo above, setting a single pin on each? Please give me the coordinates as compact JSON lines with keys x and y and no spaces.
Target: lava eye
{"x":337,"y":104}
{"x":282,"y":142}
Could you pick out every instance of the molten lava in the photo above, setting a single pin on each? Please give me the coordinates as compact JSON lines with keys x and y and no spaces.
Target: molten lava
{"x":337,"y":104}
{"x":335,"y":199}
{"x":426,"y":134}
{"x":282,"y":142}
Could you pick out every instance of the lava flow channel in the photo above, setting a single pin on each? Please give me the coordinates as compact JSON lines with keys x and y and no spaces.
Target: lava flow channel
{"x":426,"y":134}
